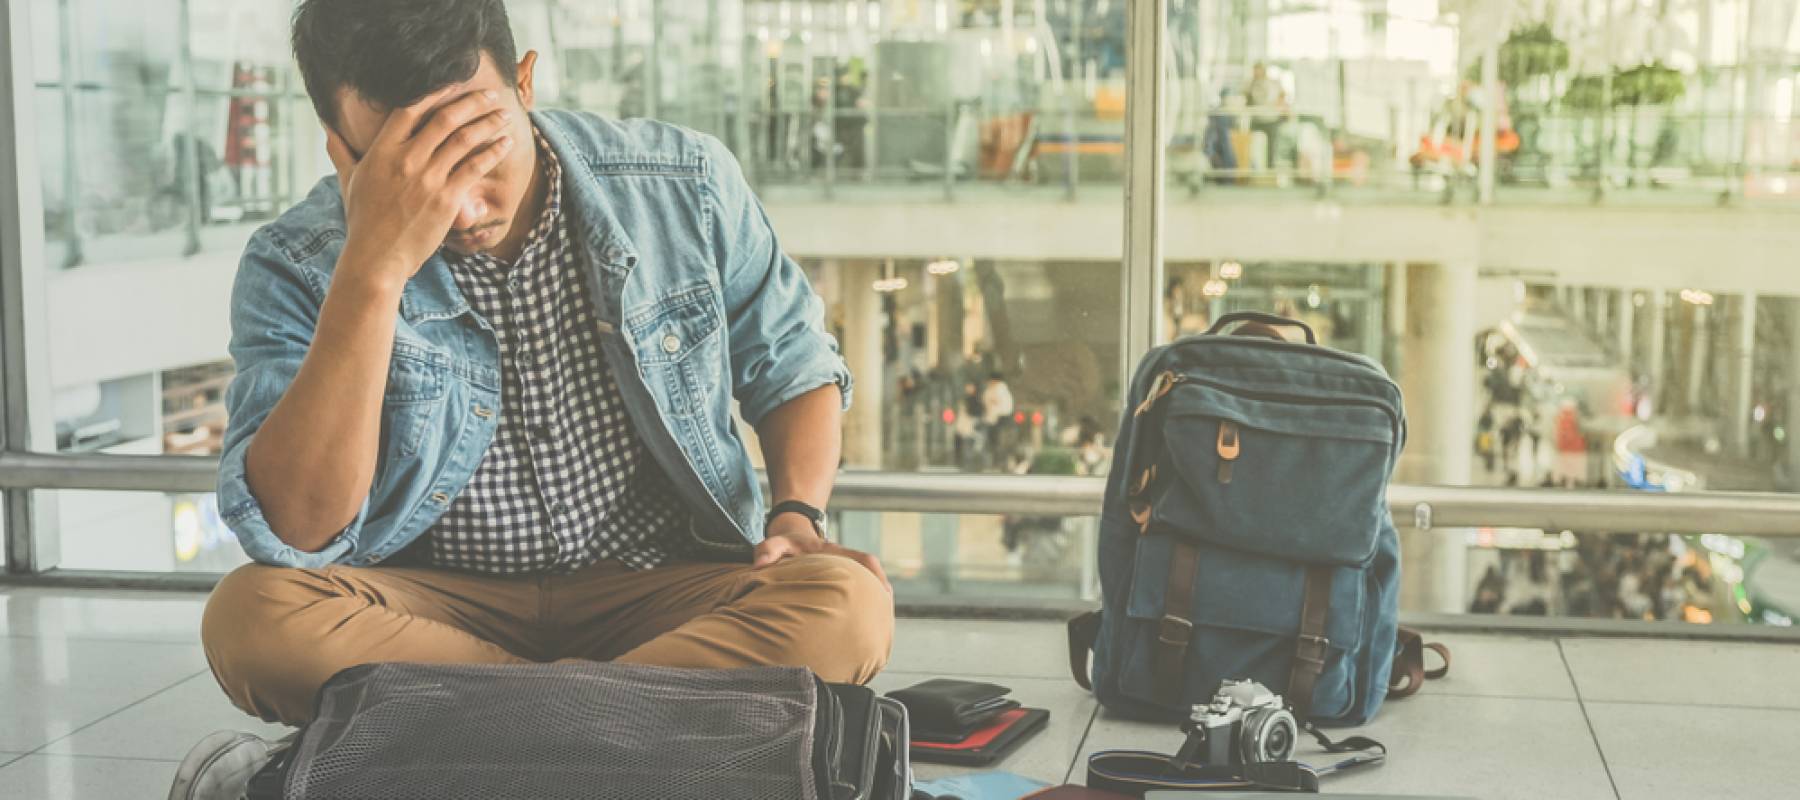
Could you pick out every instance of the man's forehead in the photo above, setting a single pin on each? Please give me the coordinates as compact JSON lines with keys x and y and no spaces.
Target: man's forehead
{"x":360,"y":120}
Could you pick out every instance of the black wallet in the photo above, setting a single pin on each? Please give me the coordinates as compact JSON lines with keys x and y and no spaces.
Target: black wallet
{"x":991,"y":743}
{"x":952,"y":708}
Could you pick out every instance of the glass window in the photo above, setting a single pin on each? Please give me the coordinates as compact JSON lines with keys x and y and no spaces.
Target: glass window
{"x":976,"y":364}
{"x":940,"y":556}
{"x":1415,"y":182}
{"x":166,"y":128}
{"x":142,"y":531}
{"x":1521,"y":366}
{"x":171,"y":131}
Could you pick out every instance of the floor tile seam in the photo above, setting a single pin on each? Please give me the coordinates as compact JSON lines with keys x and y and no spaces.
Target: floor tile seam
{"x":39,"y":750}
{"x":1593,"y":735}
{"x":1476,"y":695}
{"x":1087,"y":732}
{"x":990,"y":675}
{"x":1787,"y":709}
{"x":97,"y":757}
{"x":954,"y":674}
{"x":90,"y":638}
{"x":11,"y":758}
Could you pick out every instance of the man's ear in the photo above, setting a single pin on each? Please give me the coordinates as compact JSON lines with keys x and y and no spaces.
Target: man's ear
{"x":526,"y":65}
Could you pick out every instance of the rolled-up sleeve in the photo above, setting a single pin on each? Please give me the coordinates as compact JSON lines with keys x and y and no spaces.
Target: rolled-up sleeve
{"x":273,"y":315}
{"x":779,"y":346}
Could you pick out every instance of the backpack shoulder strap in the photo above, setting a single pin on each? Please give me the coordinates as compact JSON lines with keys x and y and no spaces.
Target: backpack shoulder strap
{"x":1083,"y":632}
{"x":1311,"y":646}
{"x":1410,"y":674}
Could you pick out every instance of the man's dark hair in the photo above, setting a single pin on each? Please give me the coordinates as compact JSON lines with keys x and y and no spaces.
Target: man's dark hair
{"x":393,"y":52}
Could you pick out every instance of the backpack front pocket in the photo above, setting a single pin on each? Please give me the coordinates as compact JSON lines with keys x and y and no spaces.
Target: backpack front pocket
{"x":1289,"y":477}
{"x":1236,"y":633}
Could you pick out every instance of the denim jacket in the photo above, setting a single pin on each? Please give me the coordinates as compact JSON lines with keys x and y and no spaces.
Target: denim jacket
{"x":697,"y":305}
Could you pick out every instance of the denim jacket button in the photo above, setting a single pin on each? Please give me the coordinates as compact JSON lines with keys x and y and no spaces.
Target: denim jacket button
{"x":440,"y":498}
{"x":671,"y":344}
{"x":483,"y":412}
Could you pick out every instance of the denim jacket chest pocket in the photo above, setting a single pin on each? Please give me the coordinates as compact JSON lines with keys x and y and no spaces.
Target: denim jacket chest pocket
{"x":418,"y":378}
{"x":678,"y":345}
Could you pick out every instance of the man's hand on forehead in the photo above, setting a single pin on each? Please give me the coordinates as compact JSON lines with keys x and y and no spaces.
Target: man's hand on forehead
{"x":403,"y":193}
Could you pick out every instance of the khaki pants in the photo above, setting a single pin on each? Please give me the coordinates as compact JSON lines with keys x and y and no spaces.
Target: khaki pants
{"x":274,"y":635}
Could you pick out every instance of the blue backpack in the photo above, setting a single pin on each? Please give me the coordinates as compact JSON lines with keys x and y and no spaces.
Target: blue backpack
{"x":1246,"y":534}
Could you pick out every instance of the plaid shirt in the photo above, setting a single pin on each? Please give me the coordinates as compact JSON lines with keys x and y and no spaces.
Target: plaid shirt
{"x":566,"y":481}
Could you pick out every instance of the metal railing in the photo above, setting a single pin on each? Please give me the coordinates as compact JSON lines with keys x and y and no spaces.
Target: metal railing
{"x":1421,"y":507}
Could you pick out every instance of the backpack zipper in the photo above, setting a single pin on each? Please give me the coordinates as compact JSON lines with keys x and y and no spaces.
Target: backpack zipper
{"x":1173,"y":379}
{"x":1229,"y":447}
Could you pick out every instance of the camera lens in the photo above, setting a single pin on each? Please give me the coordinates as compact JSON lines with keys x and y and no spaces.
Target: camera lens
{"x":1280,"y":742}
{"x":1269,"y":736}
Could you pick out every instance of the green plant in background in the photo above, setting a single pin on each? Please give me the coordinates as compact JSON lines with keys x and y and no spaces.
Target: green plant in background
{"x":1053,"y":461}
{"x":1648,"y":85}
{"x":1643,"y":86}
{"x":1585,"y":93}
{"x":1529,"y":52}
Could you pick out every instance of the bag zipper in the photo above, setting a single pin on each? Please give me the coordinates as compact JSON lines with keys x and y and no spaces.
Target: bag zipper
{"x":833,"y":746}
{"x":1229,"y":447}
{"x":1172,"y":379}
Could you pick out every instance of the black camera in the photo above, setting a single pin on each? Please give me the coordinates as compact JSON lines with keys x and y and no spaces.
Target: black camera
{"x":1244,"y":724}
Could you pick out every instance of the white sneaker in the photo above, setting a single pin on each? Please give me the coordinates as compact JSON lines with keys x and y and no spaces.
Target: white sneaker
{"x":221,"y":765}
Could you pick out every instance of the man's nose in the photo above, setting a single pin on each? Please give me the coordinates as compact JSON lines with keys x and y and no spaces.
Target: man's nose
{"x":474,"y":211}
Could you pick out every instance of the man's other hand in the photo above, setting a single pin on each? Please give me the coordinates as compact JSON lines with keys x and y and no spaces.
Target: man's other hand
{"x":790,"y":535}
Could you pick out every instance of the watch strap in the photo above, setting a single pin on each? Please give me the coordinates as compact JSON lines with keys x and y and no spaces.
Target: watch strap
{"x":812,"y":513}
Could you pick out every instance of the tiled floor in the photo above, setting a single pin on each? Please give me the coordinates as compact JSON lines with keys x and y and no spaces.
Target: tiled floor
{"x":103,"y":691}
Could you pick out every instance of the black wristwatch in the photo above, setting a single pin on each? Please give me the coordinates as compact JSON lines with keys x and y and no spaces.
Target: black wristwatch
{"x":812,"y":513}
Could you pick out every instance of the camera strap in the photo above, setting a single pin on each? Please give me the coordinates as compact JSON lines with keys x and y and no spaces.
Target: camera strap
{"x":1364,"y":750}
{"x":1134,"y":772}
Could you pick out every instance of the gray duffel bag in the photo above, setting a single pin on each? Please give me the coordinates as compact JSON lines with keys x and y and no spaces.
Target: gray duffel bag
{"x":594,"y":731}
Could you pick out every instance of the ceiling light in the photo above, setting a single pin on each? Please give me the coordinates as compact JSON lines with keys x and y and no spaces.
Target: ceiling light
{"x":1697,"y":297}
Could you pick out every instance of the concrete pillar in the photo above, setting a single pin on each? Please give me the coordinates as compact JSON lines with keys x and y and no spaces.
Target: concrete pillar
{"x":1490,"y":101}
{"x":1791,"y":444}
{"x":1395,"y":331}
{"x":1627,"y":330}
{"x":1602,"y":313}
{"x":862,"y":351}
{"x":1438,"y":378}
{"x":1655,"y":353}
{"x":1743,"y":355}
{"x":1576,"y":303}
{"x":1699,"y":342}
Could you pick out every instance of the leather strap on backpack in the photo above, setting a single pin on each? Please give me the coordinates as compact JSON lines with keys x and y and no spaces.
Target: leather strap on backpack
{"x":1410,"y":674}
{"x":1176,"y":630}
{"x":1310,"y":647}
{"x":1083,"y":632}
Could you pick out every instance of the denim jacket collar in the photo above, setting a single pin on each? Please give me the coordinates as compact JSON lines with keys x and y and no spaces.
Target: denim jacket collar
{"x":586,"y":205}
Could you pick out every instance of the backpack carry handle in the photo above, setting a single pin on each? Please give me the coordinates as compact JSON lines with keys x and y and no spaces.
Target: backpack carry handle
{"x":1264,"y":318}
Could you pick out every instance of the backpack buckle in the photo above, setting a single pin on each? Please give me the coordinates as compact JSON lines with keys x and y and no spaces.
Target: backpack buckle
{"x":1311,"y":649}
{"x":1175,"y":631}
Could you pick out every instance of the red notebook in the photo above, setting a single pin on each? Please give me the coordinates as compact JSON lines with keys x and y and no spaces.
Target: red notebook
{"x":985,"y":745}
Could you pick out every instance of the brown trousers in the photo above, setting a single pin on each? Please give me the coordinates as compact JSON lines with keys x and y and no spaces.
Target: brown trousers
{"x":274,"y":635}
